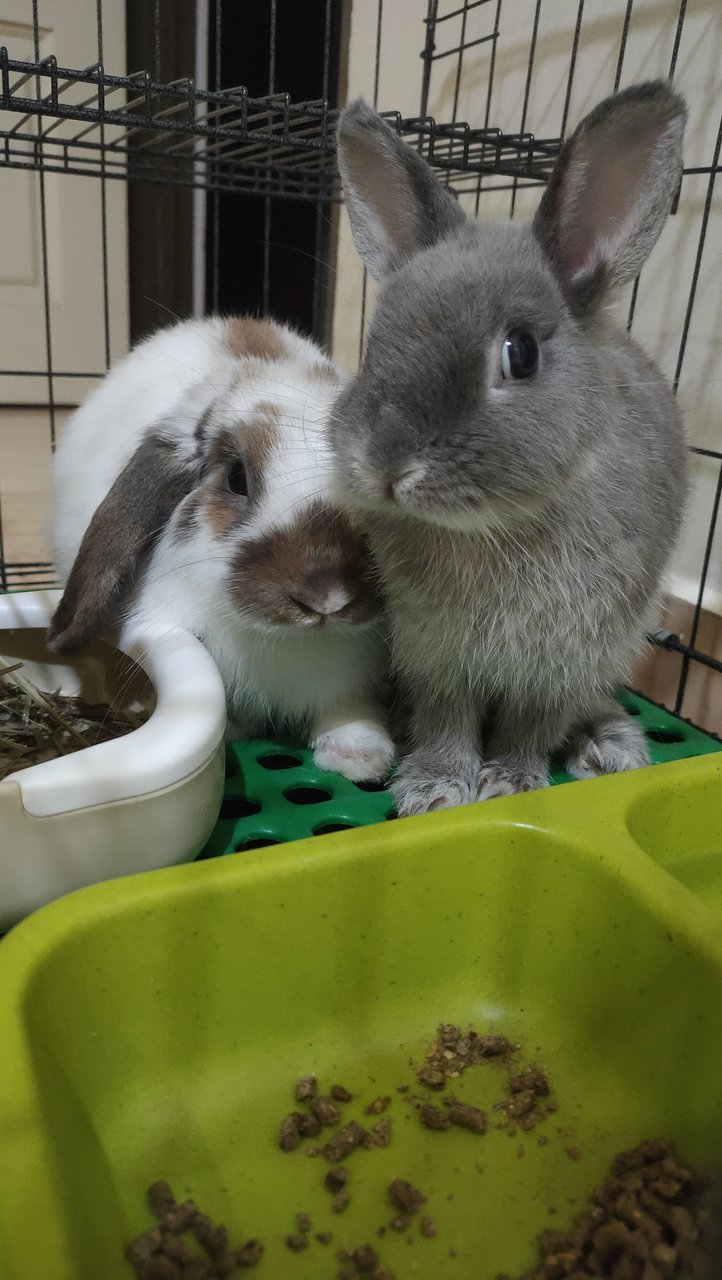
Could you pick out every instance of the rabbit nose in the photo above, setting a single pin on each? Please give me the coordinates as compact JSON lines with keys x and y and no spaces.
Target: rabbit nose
{"x":401,"y":485}
{"x":323,"y":603}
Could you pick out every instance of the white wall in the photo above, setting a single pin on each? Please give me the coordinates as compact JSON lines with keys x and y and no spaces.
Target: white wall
{"x":665,"y":284}
{"x":68,"y":29}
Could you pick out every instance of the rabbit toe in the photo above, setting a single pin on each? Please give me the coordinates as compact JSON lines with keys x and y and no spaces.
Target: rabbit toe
{"x":360,"y":752}
{"x":508,"y":776}
{"x":415,"y":791}
{"x":607,"y":746}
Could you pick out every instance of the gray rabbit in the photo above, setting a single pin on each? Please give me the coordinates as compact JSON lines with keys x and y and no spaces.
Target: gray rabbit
{"x":517,"y":461}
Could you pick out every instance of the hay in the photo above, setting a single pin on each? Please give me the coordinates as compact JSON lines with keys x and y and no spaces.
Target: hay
{"x":35,"y":726}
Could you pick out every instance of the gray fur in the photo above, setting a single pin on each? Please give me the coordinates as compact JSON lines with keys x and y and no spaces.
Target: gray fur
{"x":522,"y":546}
{"x":395,"y":204}
{"x":607,"y":743}
{"x":118,"y":539}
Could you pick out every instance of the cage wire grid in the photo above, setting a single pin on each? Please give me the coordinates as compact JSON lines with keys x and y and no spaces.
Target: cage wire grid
{"x":139,"y":128}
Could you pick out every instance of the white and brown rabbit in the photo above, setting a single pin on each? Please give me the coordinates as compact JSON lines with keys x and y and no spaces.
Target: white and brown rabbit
{"x":191,"y":490}
{"x":517,"y":461}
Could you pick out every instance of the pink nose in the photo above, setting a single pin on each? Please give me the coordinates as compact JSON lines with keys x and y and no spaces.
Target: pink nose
{"x":325,"y":603}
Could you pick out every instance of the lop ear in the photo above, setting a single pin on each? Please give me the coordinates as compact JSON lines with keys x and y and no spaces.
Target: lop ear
{"x":611,"y":191}
{"x":395,"y":204}
{"x":121,"y":533}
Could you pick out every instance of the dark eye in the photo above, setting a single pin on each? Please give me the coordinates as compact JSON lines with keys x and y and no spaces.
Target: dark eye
{"x":519,"y":355}
{"x":236,"y":479}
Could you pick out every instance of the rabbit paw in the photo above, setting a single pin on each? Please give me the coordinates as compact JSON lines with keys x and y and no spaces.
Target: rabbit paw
{"x":606,"y":746}
{"x":361,"y":751}
{"x":508,"y":775}
{"x":418,"y":788}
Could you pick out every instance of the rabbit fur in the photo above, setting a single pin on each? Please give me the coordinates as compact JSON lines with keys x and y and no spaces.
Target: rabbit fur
{"x":520,"y":524}
{"x":191,"y":490}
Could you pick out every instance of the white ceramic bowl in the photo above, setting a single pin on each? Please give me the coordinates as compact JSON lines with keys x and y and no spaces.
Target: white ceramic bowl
{"x":138,"y":802}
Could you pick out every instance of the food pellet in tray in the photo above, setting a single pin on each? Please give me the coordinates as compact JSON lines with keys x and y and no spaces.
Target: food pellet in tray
{"x":213,"y":1238}
{"x":468,"y":1117}
{"x":160,"y":1253}
{"x":335,"y":1180}
{"x":289,"y":1134}
{"x":340,"y":1201}
{"x":309,"y":1125}
{"x":340,"y":1094}
{"x":401,"y":1221}
{"x":533,"y":1079}
{"x":305,"y":1088}
{"x":365,"y":1259}
{"x":376,"y":1107}
{"x":405,"y":1197}
{"x":160,"y":1199}
{"x":433,"y":1117}
{"x":381,"y":1132}
{"x":645,"y":1222}
{"x":362,"y":1264}
{"x":326,"y":1112}
{"x":345,"y":1141}
{"x":250,"y":1254}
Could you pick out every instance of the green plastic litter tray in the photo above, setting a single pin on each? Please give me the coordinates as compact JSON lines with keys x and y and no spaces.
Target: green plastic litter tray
{"x":274,"y":793}
{"x":153,"y":1027}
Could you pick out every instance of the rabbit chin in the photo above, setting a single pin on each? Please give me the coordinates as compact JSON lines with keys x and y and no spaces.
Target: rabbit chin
{"x":492,"y":515}
{"x":255,"y":620}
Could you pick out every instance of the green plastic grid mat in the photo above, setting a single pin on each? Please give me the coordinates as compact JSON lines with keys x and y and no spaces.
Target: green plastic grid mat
{"x":274,"y":793}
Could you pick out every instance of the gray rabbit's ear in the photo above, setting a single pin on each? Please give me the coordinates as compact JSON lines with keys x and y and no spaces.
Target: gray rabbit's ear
{"x":611,"y":191}
{"x":395,"y":204}
{"x":122,"y":531}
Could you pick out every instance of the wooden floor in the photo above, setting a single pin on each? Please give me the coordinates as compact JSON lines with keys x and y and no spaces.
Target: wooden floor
{"x":24,"y":464}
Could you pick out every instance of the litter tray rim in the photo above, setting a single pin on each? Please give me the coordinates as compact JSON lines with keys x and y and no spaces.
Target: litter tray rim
{"x":590,"y":818}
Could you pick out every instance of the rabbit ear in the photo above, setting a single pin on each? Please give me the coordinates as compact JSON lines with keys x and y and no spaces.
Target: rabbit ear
{"x":395,"y":204}
{"x":121,"y":532}
{"x":612,"y":189}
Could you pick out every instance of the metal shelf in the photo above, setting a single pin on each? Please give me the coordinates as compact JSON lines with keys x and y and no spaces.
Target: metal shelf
{"x":132,"y":128}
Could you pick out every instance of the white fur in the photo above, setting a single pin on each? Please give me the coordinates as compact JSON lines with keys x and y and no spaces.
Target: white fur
{"x":323,"y":682}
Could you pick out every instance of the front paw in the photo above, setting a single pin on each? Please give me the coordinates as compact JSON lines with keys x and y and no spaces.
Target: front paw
{"x":421,"y":789}
{"x":611,"y":747}
{"x":362,"y":752}
{"x":509,"y":775}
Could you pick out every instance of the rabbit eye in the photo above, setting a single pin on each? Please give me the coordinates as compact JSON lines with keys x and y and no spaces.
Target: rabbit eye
{"x":236,"y":479}
{"x":519,"y":355}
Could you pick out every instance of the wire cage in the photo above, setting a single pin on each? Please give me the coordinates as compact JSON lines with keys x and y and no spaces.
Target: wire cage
{"x":206,"y":132}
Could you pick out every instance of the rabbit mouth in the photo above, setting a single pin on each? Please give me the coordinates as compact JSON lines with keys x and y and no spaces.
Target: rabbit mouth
{"x":409,"y":493}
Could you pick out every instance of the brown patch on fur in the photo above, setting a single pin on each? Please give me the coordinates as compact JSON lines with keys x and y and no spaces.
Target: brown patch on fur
{"x":222,"y":512}
{"x":250,"y":445}
{"x":266,"y":409}
{"x":324,"y":373}
{"x":187,"y":517}
{"x":262,"y":436}
{"x":223,"y":450}
{"x":254,"y":339}
{"x":282,"y":573}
